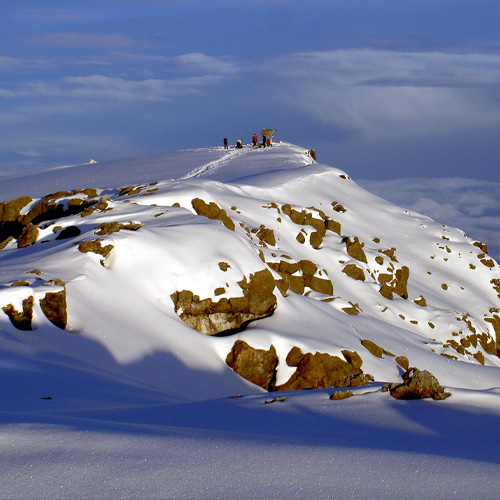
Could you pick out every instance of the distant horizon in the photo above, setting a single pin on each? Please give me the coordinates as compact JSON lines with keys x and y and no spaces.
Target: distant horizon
{"x":381,"y":89}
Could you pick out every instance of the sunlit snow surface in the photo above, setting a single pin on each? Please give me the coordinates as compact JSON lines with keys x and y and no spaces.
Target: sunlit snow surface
{"x":140,"y":403}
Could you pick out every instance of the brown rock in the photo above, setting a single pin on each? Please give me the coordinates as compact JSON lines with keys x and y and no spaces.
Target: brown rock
{"x":353,"y":358}
{"x":55,"y":308}
{"x":320,"y":285}
{"x":301,"y":238}
{"x":224,"y":266}
{"x":386,"y":291}
{"x":333,"y":225}
{"x":267,"y":236}
{"x":294,"y":357}
{"x":288,"y":267}
{"x":21,"y":320}
{"x":317,"y":224}
{"x":317,"y":371}
{"x":114,"y":227}
{"x":315,"y":239}
{"x":376,"y":350}
{"x":353,"y":271}
{"x":28,"y":236}
{"x":256,"y":365}
{"x":228,"y":315}
{"x":5,"y":242}
{"x":421,"y":301}
{"x":355,"y":249}
{"x":10,"y":210}
{"x":308,"y":267}
{"x":353,"y":309}
{"x":95,"y":246}
{"x":212,"y":211}
{"x":338,"y":395}
{"x":402,"y":276}
{"x":495,"y":321}
{"x":403,"y":362}
{"x":418,"y":385}
{"x":259,"y":291}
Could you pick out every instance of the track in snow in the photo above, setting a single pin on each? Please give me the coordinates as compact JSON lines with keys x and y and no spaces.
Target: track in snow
{"x":213,"y":166}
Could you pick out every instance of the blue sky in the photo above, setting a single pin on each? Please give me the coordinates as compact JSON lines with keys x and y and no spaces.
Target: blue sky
{"x":380,"y":89}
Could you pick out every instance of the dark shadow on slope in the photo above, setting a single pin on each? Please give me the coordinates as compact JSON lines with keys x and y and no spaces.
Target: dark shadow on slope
{"x":102,"y":403}
{"x":109,"y":396}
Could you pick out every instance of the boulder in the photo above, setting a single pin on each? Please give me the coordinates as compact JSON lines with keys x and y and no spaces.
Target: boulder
{"x":10,"y":210}
{"x":418,"y":384}
{"x":55,"y":308}
{"x":212,"y":211}
{"x":28,"y":236}
{"x":256,"y":365}
{"x":353,"y":271}
{"x":355,"y":249}
{"x":21,"y":320}
{"x":318,"y":370}
{"x":228,"y":315}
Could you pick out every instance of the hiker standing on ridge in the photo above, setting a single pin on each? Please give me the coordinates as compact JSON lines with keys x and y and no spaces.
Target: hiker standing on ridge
{"x":254,"y":140}
{"x":225,"y":143}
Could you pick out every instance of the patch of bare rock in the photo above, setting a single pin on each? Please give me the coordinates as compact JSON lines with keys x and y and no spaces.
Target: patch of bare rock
{"x":228,"y":315}
{"x":24,"y":226}
{"x":417,"y":384}
{"x":53,"y":305}
{"x":256,"y":365}
{"x":313,"y":371}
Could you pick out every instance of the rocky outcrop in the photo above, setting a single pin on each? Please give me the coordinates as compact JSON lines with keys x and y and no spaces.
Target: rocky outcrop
{"x":21,"y":319}
{"x":95,"y":246}
{"x":398,"y":285}
{"x":353,"y":271}
{"x":321,"y":370}
{"x":320,"y":224}
{"x":55,"y":308}
{"x":10,"y":210}
{"x":114,"y":227}
{"x":24,"y":227}
{"x":28,"y":236}
{"x":301,"y":275}
{"x":355,"y":250}
{"x":256,"y":365}
{"x":212,"y":211}
{"x":228,"y":314}
{"x":418,"y":384}
{"x":375,"y":349}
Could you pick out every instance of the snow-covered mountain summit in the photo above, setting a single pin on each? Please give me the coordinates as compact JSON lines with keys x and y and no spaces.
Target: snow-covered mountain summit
{"x":144,"y":274}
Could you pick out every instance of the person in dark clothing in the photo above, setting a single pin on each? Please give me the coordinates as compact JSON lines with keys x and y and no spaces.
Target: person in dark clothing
{"x":264,"y":140}
{"x":225,"y":143}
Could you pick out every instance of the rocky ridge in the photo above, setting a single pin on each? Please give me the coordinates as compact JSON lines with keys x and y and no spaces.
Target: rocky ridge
{"x":318,"y":251}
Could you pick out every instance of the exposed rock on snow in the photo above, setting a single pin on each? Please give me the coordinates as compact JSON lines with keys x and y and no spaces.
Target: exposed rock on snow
{"x":321,"y":370}
{"x":21,"y":319}
{"x":212,"y":211}
{"x":352,"y":269}
{"x":256,"y":365}
{"x":228,"y":314}
{"x":54,"y":307}
{"x":418,"y":384}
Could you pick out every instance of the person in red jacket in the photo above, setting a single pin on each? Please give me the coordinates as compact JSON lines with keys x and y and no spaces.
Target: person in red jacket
{"x":254,"y":140}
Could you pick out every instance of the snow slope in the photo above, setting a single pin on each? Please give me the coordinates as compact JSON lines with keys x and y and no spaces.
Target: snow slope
{"x":140,"y":402}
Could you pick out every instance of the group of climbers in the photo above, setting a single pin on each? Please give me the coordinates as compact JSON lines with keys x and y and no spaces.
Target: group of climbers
{"x":267,"y":135}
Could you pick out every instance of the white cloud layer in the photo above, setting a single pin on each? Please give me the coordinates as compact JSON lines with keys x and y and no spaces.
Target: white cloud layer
{"x":469,"y":204}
